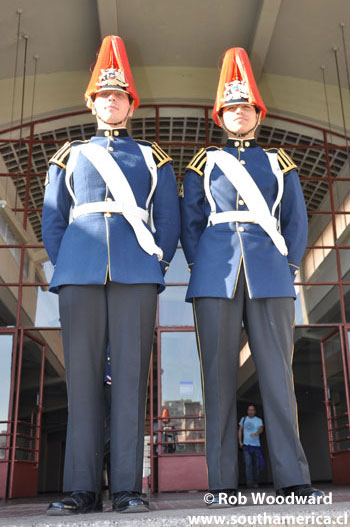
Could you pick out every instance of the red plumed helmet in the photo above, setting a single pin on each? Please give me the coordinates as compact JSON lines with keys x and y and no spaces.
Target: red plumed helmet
{"x":111,"y":71}
{"x":237,"y":84}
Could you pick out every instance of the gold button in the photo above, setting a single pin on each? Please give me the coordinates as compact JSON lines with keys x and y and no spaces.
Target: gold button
{"x":247,"y":143}
{"x":242,"y":162}
{"x":241,"y":202}
{"x":241,"y":229}
{"x":109,"y":199}
{"x":242,"y":149}
{"x":166,"y":267}
{"x":295,"y":272}
{"x":106,"y":133}
{"x":108,"y":214}
{"x":189,"y":269}
{"x":115,"y":133}
{"x":111,"y":149}
{"x":237,"y":143}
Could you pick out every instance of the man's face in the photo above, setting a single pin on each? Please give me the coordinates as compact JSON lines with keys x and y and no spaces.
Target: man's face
{"x":251,"y":411}
{"x":112,"y":106}
{"x":239,"y":118}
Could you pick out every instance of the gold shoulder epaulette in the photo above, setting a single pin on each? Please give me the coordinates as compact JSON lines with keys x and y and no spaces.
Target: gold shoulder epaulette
{"x":198,"y":161}
{"x":159,"y":155}
{"x":61,"y":156}
{"x":286,"y":163}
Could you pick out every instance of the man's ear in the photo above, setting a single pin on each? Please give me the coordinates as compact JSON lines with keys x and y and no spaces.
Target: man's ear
{"x":131,"y":111}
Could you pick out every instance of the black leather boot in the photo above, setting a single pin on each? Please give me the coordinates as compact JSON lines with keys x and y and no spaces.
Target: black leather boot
{"x":301,"y":491}
{"x":126,"y":501}
{"x":216,"y":503}
{"x":78,"y":502}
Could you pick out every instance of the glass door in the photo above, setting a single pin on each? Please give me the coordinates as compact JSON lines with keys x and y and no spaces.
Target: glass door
{"x":181,"y":422}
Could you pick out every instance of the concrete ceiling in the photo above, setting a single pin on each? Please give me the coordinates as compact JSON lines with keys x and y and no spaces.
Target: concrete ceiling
{"x":283,"y":37}
{"x":64,"y":33}
{"x":185,"y":32}
{"x":303,"y":38}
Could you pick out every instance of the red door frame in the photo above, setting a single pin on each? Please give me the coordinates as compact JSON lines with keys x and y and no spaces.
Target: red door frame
{"x":340,"y":457}
{"x":19,"y":478}
{"x":5,"y":463}
{"x":23,"y":474}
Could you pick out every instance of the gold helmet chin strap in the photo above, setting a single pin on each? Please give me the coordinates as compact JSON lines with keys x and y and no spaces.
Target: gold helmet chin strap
{"x":237,"y":134}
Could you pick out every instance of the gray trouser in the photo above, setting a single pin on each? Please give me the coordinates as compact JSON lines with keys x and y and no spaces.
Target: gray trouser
{"x":91,"y":316}
{"x":269,"y":324}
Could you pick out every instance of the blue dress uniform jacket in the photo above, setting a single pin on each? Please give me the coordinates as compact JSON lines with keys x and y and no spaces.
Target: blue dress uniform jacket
{"x":98,"y":247}
{"x":215,"y":254}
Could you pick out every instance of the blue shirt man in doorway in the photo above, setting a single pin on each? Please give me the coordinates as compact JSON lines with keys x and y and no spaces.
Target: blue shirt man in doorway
{"x":251,"y":427}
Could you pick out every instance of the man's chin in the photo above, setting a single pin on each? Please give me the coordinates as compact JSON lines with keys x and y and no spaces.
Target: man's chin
{"x":111,"y":118}
{"x":234,"y":129}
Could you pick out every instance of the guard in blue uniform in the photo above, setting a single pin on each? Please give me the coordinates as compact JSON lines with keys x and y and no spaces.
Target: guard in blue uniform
{"x":244,"y":232}
{"x":110,"y":226}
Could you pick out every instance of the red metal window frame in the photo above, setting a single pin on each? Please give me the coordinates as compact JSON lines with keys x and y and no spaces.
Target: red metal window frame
{"x":19,"y":330}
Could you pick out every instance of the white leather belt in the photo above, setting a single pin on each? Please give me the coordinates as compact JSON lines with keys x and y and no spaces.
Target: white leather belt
{"x":243,"y":216}
{"x":111,"y":207}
